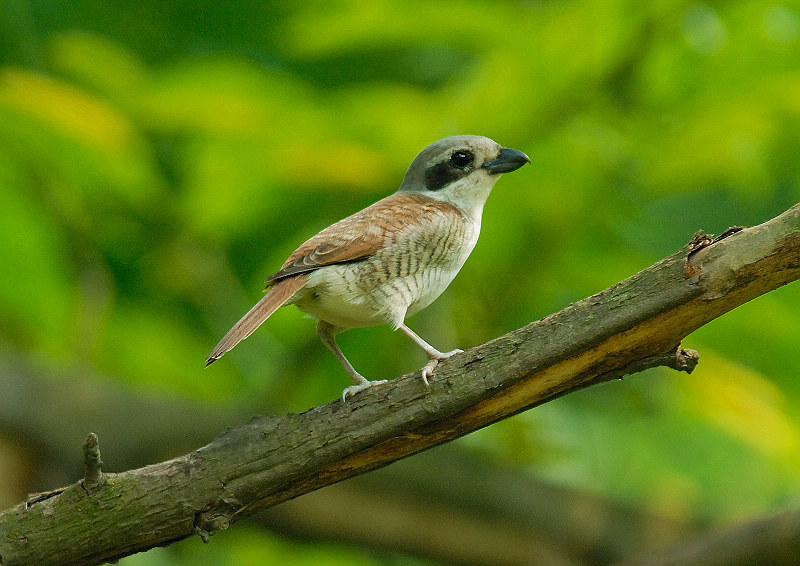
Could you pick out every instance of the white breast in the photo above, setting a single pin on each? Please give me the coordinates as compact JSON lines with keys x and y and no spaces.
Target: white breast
{"x":407,"y":275}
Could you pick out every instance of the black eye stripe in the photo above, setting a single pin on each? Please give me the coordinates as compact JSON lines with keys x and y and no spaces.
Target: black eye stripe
{"x":445,"y":172}
{"x":441,"y":175}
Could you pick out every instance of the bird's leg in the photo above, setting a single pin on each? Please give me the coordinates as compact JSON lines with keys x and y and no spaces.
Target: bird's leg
{"x":434,"y":355}
{"x":326,"y":333}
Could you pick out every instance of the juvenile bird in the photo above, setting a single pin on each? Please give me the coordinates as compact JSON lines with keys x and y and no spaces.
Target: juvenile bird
{"x":393,"y":258}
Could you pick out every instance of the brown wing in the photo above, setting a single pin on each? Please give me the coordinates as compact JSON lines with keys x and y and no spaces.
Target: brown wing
{"x":360,"y":235}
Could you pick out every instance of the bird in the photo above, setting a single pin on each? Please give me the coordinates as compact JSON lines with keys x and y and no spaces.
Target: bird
{"x":391,"y":259}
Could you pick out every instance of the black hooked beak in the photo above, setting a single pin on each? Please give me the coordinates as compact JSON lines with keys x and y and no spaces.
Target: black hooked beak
{"x":508,"y":160}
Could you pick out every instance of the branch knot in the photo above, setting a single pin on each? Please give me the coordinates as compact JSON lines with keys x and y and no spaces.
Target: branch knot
{"x":93,"y":476}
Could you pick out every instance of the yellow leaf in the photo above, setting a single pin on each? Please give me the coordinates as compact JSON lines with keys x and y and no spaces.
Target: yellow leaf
{"x":745,"y":404}
{"x":65,"y":108}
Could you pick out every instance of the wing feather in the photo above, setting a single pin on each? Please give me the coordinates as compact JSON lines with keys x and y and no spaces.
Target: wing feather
{"x":360,"y":235}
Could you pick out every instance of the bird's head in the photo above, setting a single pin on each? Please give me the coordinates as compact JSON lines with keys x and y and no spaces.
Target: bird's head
{"x":461,"y":170}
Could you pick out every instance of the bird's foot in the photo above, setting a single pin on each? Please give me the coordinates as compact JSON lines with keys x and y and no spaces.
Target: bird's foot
{"x":360,"y":386}
{"x":433,"y":361}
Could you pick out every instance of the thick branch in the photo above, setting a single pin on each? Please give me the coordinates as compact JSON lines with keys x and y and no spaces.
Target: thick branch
{"x":381,"y":510}
{"x":269,"y":460}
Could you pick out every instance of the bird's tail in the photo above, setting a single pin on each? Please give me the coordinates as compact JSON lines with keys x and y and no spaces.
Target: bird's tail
{"x":278,"y":294}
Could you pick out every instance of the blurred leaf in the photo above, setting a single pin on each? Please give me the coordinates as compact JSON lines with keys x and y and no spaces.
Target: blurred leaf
{"x":66,"y":109}
{"x":99,"y":63}
{"x":36,"y":294}
{"x":745,"y":405}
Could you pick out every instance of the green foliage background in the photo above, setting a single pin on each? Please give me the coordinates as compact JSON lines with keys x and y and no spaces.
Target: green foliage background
{"x":158,"y":160}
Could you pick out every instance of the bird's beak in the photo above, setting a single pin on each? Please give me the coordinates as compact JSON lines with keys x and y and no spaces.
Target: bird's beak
{"x":508,"y":160}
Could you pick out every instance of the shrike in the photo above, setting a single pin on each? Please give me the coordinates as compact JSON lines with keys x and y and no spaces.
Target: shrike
{"x":393,"y":258}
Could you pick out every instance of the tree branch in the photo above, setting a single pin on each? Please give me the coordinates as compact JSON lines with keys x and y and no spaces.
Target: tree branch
{"x":381,"y":510}
{"x":773,"y":539}
{"x":269,"y":460}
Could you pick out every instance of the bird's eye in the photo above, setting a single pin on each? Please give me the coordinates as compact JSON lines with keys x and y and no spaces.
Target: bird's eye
{"x":461,"y":158}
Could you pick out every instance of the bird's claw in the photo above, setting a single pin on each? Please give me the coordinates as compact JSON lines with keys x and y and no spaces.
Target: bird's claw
{"x":428,"y":368}
{"x":361,"y":386}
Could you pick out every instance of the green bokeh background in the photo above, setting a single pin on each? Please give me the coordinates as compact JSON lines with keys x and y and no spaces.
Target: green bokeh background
{"x":158,"y":160}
